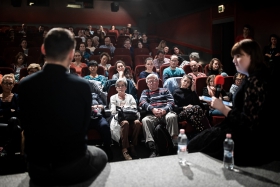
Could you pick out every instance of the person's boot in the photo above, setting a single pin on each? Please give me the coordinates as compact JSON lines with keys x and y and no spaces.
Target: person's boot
{"x":151,"y":145}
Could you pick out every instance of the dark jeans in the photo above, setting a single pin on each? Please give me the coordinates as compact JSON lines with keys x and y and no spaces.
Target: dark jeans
{"x":102,"y":126}
{"x":75,"y":172}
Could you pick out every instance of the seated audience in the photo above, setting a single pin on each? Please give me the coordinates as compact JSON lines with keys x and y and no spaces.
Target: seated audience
{"x":176,"y":51}
{"x":210,"y":90}
{"x":89,"y":45}
{"x":145,"y":41}
{"x":127,"y":45}
{"x":123,"y":72}
{"x":19,"y":63}
{"x":160,"y":60}
{"x":93,"y":66}
{"x":136,"y":35}
{"x":24,"y":46}
{"x":77,"y":64}
{"x":32,"y":68}
{"x":149,"y":68}
{"x":108,"y":44}
{"x":195,"y":73}
{"x":216,"y":68}
{"x":124,"y":100}
{"x":81,"y":34}
{"x":85,"y":52}
{"x":161,"y":45}
{"x":9,"y":106}
{"x":166,"y":50}
{"x":193,"y":56}
{"x":237,"y":81}
{"x":95,"y":41}
{"x":173,"y":70}
{"x":158,"y":103}
{"x":99,"y":123}
{"x":104,"y":59}
{"x":189,"y":107}
{"x":139,"y":45}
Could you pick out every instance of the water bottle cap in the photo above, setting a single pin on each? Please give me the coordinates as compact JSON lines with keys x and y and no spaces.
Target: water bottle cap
{"x":182,"y":131}
{"x":228,"y":135}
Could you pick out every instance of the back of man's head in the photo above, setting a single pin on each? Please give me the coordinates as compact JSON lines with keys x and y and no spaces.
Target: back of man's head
{"x":58,"y":43}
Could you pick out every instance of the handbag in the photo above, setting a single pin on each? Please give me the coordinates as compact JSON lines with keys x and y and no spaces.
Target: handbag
{"x":129,"y":114}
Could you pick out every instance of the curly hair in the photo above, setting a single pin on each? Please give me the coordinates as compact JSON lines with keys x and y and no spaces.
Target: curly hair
{"x":219,"y":62}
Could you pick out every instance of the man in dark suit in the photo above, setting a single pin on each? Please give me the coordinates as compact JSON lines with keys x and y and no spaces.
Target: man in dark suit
{"x":55,"y":111}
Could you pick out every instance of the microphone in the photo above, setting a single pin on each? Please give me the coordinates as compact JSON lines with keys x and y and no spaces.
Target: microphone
{"x":219,"y":82}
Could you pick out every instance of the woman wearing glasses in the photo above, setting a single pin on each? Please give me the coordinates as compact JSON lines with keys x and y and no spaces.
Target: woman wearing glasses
{"x":8,"y":100}
{"x":120,"y":130}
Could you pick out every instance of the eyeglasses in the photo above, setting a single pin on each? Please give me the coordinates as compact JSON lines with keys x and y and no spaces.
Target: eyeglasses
{"x":8,"y":83}
{"x":151,"y":81}
{"x":77,"y":55}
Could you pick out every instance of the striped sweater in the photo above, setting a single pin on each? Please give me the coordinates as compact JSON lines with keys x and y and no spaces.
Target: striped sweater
{"x":160,"y":98}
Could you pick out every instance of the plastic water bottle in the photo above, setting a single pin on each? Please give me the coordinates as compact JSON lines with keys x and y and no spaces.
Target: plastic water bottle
{"x":228,"y":152}
{"x":182,"y":147}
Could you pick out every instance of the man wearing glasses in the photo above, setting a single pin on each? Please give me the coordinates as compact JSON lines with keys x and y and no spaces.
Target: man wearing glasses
{"x":159,"y":103}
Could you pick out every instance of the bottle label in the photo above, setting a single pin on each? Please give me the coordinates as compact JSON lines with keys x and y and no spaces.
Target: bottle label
{"x":182,"y":148}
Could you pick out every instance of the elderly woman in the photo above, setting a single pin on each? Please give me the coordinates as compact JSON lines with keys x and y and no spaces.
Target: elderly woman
{"x":121,"y":130}
{"x":32,"y":68}
{"x":190,"y":108}
{"x":93,"y":66}
{"x":8,"y":101}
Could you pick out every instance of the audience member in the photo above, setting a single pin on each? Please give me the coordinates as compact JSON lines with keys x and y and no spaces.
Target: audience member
{"x":9,"y":106}
{"x":158,"y":103}
{"x":19,"y":63}
{"x":161,"y":45}
{"x":81,"y":34}
{"x":77,"y":64}
{"x":85,"y":52}
{"x":32,"y":68}
{"x":104,"y":59}
{"x":123,"y":72}
{"x":237,"y":81}
{"x":124,"y":100}
{"x":145,"y":41}
{"x":272,"y":52}
{"x":95,"y":41}
{"x":173,"y":70}
{"x":93,"y":66}
{"x":189,"y":107}
{"x":139,"y":45}
{"x":216,"y":68}
{"x":136,"y":35}
{"x":177,"y":51}
{"x":87,"y":33}
{"x":71,"y":29}
{"x":251,"y":116}
{"x":130,"y":30}
{"x":24,"y":46}
{"x":195,"y":73}
{"x":127,"y":45}
{"x":166,"y":50}
{"x":149,"y":68}
{"x":90,"y":30}
{"x":160,"y":60}
{"x":55,"y":109}
{"x":193,"y":56}
{"x":89,"y":45}
{"x":246,"y":33}
{"x":108,"y":44}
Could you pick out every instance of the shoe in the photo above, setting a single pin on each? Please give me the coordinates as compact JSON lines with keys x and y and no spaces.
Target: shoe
{"x":132,"y":152}
{"x":126,"y":156}
{"x":153,"y":154}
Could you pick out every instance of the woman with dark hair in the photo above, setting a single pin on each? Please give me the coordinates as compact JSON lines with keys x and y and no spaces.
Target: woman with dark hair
{"x":123,"y":72}
{"x":104,"y":59}
{"x":251,"y":119}
{"x":190,"y":108}
{"x":89,"y":45}
{"x":24,"y":46}
{"x":177,"y":51}
{"x":93,"y":66}
{"x":272,"y":51}
{"x":216,"y":68}
{"x":78,"y":64}
{"x":19,"y":63}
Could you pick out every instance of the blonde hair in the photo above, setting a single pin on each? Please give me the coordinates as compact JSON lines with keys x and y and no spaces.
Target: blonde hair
{"x":34,"y":66}
{"x":8,"y":76}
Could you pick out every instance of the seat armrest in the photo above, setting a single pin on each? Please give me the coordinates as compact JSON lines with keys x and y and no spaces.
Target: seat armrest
{"x":107,"y":112}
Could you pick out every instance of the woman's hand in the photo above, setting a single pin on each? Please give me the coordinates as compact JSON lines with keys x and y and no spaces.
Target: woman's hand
{"x":217,"y":104}
{"x":193,"y":87}
{"x":226,"y":98}
{"x":185,"y":107}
